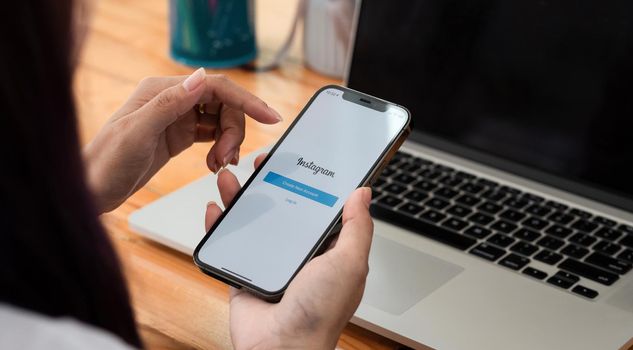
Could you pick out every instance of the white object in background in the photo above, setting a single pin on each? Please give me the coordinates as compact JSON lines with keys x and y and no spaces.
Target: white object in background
{"x":327,"y":35}
{"x":177,"y":219}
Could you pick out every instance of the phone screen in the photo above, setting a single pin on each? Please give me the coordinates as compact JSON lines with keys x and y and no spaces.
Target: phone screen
{"x":292,"y":201}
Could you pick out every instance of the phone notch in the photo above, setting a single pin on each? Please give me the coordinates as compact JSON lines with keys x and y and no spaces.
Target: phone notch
{"x":365,"y":101}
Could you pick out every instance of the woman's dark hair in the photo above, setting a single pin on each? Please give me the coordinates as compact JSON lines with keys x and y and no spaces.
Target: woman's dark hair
{"x":55,"y":257}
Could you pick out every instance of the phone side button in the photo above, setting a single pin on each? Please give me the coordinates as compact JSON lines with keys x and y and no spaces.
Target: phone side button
{"x":424,"y":228}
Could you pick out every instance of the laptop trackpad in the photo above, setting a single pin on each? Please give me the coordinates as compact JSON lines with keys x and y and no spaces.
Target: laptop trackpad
{"x":399,"y":276}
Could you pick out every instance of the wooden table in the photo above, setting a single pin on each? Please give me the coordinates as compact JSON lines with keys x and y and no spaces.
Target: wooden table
{"x":176,"y":306}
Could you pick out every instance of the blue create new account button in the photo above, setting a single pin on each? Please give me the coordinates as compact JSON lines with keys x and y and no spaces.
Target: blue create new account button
{"x":300,"y":189}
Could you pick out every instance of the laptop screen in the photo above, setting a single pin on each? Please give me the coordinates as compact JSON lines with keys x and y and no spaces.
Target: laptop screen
{"x":538,"y":87}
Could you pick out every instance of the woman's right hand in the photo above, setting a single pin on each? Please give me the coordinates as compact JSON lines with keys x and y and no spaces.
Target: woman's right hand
{"x":323,"y":295}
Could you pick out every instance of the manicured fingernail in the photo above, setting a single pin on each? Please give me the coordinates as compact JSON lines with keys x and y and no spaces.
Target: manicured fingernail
{"x":210,"y":203}
{"x":277,"y":115}
{"x":366,"y":195}
{"x":194,"y":80}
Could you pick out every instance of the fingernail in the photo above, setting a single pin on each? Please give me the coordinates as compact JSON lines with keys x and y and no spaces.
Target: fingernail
{"x":214,"y":167}
{"x":236,"y":158}
{"x":194,"y":80}
{"x":366,"y":195}
{"x":277,"y":115}
{"x":210,"y":203}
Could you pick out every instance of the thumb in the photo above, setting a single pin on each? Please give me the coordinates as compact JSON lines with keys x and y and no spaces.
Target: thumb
{"x":171,"y":103}
{"x":358,"y":227}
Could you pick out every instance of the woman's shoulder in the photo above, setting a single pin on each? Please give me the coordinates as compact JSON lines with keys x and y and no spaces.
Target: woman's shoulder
{"x":24,"y":329}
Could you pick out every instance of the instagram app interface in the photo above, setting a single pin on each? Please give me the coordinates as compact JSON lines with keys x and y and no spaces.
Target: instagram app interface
{"x":292,"y":200}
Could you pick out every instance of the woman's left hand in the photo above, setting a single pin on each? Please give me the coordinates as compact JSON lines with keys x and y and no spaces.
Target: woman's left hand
{"x":160,"y":120}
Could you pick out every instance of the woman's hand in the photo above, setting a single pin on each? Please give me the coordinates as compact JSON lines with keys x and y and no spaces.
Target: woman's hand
{"x":162,"y":118}
{"x":323,"y":295}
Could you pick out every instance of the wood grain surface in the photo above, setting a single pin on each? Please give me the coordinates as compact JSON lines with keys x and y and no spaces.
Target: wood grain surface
{"x":177,"y":307}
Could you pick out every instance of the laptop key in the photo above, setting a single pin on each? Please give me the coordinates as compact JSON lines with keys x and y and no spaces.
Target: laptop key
{"x":510,"y":190}
{"x":575,"y":251}
{"x":503,"y":226}
{"x":394,"y":188}
{"x":443,"y":168}
{"x":585,"y":292}
{"x":516,"y":203}
{"x":584,"y":225}
{"x":455,"y":224}
{"x":487,"y":252}
{"x":409,"y":168}
{"x":514,"y":262}
{"x":526,"y":234}
{"x":535,"y":273}
{"x":430,"y":174}
{"x":450,"y":181}
{"x":501,"y":240}
{"x":415,"y":196}
{"x":559,"y":231}
{"x":494,"y":195}
{"x":433,"y":216}
{"x":532,"y":197}
{"x":379,"y":182}
{"x":535,"y":223}
{"x":580,"y":213}
{"x":588,"y":271}
{"x":601,"y":220}
{"x":467,"y":200}
{"x":561,"y":218}
{"x":481,"y":218}
{"x":550,"y":243}
{"x":487,"y":183}
{"x":568,"y":276}
{"x":477,"y":232}
{"x":512,"y":215}
{"x":608,"y":233}
{"x":548,"y":257}
{"x":607,"y":247}
{"x":556,"y":205}
{"x":465,"y":175}
{"x":627,"y":240}
{"x":626,"y":255}
{"x":458,"y":210}
{"x":446,"y":192}
{"x":560,"y":282}
{"x":425,"y":186}
{"x":424,"y":228}
{"x":582,"y":239}
{"x":626,"y":228}
{"x":524,"y":248}
{"x":538,"y":210}
{"x":609,"y":263}
{"x":420,"y":161}
{"x":437,"y":203}
{"x":390,"y":201}
{"x":490,"y":207}
{"x":471,"y":188}
{"x":388,"y":171}
{"x":404,"y":178}
{"x":410,"y":208}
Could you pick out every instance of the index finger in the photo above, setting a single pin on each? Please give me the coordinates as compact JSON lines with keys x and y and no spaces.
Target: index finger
{"x":219,"y":87}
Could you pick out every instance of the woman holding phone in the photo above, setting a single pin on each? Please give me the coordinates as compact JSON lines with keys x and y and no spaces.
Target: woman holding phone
{"x":61,"y":285}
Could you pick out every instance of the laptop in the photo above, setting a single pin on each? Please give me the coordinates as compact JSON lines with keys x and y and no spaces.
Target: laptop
{"x":506,"y":220}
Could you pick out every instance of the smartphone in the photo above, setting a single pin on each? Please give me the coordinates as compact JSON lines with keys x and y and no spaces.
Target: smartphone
{"x":341,"y":140}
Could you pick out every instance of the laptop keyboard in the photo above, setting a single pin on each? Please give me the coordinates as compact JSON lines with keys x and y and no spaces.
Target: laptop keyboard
{"x":502,"y":224}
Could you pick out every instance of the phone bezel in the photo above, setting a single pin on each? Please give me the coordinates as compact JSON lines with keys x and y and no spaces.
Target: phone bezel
{"x":375,"y":169}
